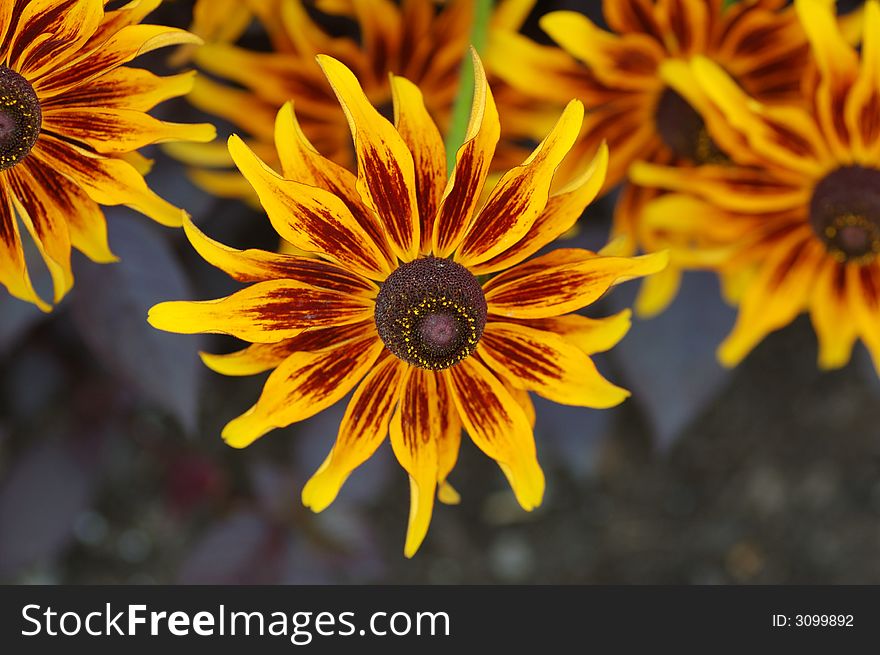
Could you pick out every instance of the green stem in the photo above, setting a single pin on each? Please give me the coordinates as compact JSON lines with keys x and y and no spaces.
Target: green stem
{"x":461,"y":109}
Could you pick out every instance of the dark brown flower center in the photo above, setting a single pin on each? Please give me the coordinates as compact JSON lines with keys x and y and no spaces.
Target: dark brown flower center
{"x":20,"y":118}
{"x":683,"y":130}
{"x":431,"y":313}
{"x":845,"y":213}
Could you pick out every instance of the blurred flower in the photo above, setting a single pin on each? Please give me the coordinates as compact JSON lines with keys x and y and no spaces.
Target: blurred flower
{"x":636,"y":104}
{"x":392,"y":307}
{"x":795,"y":227}
{"x":71,"y":120}
{"x":215,"y":21}
{"x":414,"y":39}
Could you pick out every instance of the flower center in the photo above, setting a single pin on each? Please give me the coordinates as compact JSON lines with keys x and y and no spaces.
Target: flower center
{"x":845,"y":213}
{"x":683,"y":130}
{"x":431,"y":313}
{"x":20,"y":118}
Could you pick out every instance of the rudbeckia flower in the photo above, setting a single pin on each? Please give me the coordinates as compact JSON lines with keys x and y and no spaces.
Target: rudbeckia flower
{"x":420,"y":298}
{"x":414,"y":39}
{"x":796,"y":226}
{"x":72,"y":117}
{"x":636,"y":102}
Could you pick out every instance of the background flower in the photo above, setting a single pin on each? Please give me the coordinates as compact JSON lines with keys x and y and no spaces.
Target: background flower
{"x":416,"y":39}
{"x":72,"y":117}
{"x":798,"y":222}
{"x":639,"y":105}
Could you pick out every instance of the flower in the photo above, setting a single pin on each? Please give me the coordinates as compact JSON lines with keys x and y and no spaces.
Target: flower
{"x":215,"y":21}
{"x":796,"y":225}
{"x":627,"y":78}
{"x":393,"y":306}
{"x":413,"y":39}
{"x":72,"y":117}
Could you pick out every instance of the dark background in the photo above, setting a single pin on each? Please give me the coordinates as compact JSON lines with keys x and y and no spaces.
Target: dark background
{"x":112,"y":469}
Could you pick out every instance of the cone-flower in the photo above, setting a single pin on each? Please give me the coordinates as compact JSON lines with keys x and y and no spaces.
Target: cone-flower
{"x":794,"y":226}
{"x":422,"y":299}
{"x":629,"y":79}
{"x":72,"y":117}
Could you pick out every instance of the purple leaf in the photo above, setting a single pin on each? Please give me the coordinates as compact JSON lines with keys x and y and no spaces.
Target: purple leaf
{"x":669,"y":361}
{"x":110,"y":305}
{"x":241,"y":549}
{"x":46,"y":490}
{"x":17,"y":318}
{"x":314,"y":438}
{"x":570,"y":437}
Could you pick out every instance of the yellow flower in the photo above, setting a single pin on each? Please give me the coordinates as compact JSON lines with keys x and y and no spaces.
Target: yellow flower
{"x":795,"y":227}
{"x":215,"y":21}
{"x":72,"y":117}
{"x":392,"y":305}
{"x":628,"y":81}
{"x":413,"y":39}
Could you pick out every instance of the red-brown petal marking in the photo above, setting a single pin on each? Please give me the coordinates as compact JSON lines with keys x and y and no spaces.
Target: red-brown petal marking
{"x":632,"y":16}
{"x":43,"y":211}
{"x":107,"y":180}
{"x":422,"y":137}
{"x":563,"y":282}
{"x":13,"y":267}
{"x":363,"y":428}
{"x":301,"y":162}
{"x":472,"y":162}
{"x":304,"y":385}
{"x":259,"y":266}
{"x":448,"y":437}
{"x":688,"y":22}
{"x":386,"y":176}
{"x":562,"y":211}
{"x":126,"y":88}
{"x":266,"y":312}
{"x":499,"y":427}
{"x":547,"y":364}
{"x":310,"y":218}
{"x":126,"y":44}
{"x":415,"y":428}
{"x":49,"y":28}
{"x":521,"y":194}
{"x":260,"y":357}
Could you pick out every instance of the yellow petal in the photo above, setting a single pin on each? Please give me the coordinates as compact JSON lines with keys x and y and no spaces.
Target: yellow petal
{"x":265,"y":312}
{"x":362,"y":430}
{"x":498,"y":426}
{"x":472,"y":161}
{"x":414,"y":429}
{"x":305,"y":384}
{"x":563,"y":281}
{"x":521,"y":194}
{"x":591,"y":335}
{"x":311,"y":218}
{"x":386,"y":175}
{"x":420,"y":133}
{"x":548,"y":364}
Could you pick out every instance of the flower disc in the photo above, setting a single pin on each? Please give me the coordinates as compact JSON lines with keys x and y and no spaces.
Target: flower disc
{"x":20,"y":118}
{"x":845,"y":213}
{"x":682,"y":130}
{"x":431,"y":313}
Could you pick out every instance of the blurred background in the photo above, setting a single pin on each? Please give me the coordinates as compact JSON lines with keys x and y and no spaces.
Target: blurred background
{"x":112,"y":469}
